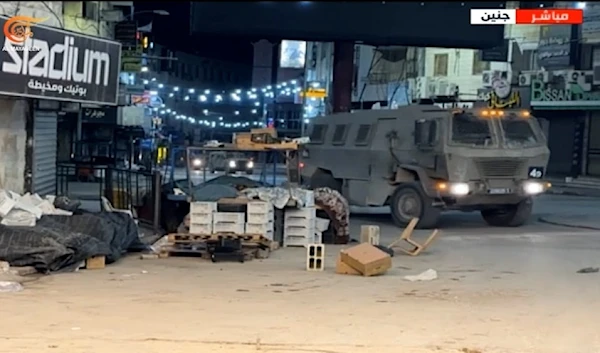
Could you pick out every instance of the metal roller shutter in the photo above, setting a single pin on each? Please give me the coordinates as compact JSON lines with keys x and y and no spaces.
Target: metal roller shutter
{"x":44,"y":152}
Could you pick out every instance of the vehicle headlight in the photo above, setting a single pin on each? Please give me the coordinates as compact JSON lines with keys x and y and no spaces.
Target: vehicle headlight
{"x":232,"y":164}
{"x":250,"y":165}
{"x":459,"y":189}
{"x":197,"y":162}
{"x":533,"y":187}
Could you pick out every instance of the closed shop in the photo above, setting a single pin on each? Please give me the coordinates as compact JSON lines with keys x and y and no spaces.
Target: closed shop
{"x":38,"y":81}
{"x":566,"y":105}
{"x":44,"y":151}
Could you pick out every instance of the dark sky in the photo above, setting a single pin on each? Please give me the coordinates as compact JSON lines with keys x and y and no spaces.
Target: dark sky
{"x":173,"y":30}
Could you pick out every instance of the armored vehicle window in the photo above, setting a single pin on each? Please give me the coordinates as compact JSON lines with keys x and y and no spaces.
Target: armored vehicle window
{"x":518,"y":132}
{"x":339,"y":135}
{"x":471,"y":130}
{"x":362,"y":136}
{"x":317,"y":134}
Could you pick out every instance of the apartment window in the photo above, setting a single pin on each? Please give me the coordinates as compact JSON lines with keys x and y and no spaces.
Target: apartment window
{"x":530,"y":62}
{"x":440,"y":65}
{"x":90,"y":10}
{"x":479,"y":66}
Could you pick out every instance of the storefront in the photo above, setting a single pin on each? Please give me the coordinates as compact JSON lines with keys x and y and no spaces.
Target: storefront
{"x":573,"y":113}
{"x":36,"y":74}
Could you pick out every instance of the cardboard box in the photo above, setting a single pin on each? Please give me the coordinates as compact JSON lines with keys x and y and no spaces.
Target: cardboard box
{"x":367,"y":259}
{"x":343,"y":269}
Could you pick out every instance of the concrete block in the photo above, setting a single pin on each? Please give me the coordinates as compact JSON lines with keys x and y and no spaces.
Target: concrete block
{"x":369,"y":234}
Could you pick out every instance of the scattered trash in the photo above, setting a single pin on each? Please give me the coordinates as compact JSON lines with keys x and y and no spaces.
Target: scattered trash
{"x":4,"y":267}
{"x":428,"y":275}
{"x":589,"y":270}
{"x":75,"y":328}
{"x":9,"y":287}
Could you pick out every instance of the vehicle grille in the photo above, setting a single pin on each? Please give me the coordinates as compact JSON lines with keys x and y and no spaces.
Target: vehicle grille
{"x":499,"y":168}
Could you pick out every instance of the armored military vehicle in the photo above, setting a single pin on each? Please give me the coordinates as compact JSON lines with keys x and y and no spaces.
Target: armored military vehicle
{"x":421,"y":160}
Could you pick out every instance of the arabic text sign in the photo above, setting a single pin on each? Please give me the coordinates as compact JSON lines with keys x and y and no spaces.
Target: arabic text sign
{"x":554,"y":50}
{"x":550,"y":16}
{"x":493,"y":17}
{"x":59,"y":70}
{"x":495,"y":102}
{"x":526,"y":16}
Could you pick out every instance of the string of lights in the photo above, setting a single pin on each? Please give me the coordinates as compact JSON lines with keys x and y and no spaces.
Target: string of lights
{"x":238,"y":98}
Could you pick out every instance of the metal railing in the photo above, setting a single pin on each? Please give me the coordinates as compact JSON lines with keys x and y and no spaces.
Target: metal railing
{"x":126,"y":189}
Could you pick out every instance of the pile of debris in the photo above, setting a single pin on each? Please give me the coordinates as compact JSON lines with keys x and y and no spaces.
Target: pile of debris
{"x":24,"y":210}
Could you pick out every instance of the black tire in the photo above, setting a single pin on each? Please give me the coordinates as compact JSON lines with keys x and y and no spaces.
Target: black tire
{"x":323,"y":179}
{"x":510,"y":216}
{"x":410,"y":201}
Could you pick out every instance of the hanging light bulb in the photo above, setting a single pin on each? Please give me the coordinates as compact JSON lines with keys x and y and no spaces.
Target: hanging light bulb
{"x":202,"y":98}
{"x":191,"y":90}
{"x":160,"y":85}
{"x":176,"y":89}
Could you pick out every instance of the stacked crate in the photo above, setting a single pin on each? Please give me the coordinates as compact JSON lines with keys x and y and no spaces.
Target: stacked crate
{"x":260,"y":219}
{"x":201,"y":217}
{"x":299,"y":226}
{"x":229,"y":222}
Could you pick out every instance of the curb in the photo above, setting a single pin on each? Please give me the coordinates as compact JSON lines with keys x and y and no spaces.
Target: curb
{"x":571,"y":192}
{"x":569,"y":225}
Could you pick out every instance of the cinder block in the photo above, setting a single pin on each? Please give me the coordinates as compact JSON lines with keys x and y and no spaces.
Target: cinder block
{"x":315,"y":257}
{"x":315,"y":250}
{"x":369,"y":234}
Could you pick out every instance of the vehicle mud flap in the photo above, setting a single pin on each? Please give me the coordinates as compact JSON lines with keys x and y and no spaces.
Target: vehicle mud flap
{"x":423,"y":207}
{"x":512,"y":216}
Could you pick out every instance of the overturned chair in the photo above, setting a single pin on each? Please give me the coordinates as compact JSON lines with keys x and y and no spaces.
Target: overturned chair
{"x":415,"y":248}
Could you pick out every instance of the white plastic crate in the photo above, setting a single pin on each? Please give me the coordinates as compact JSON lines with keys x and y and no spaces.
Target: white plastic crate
{"x":299,"y":232}
{"x":235,"y":228}
{"x":203,"y":207}
{"x":300,"y":222}
{"x":256,"y":218}
{"x":201,"y":218}
{"x":296,"y":241}
{"x":259,"y":228}
{"x":269,"y":235}
{"x":229,"y":217}
{"x":321,"y":224}
{"x":256,"y":207}
{"x":201,"y":228}
{"x":306,"y":212}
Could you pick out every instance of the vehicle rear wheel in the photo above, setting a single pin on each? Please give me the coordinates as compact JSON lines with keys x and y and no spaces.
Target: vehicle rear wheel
{"x":509,"y":216}
{"x":410,"y":201}
{"x":322,"y":179}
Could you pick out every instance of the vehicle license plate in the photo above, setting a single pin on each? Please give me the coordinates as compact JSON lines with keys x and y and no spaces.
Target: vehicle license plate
{"x":499,"y":191}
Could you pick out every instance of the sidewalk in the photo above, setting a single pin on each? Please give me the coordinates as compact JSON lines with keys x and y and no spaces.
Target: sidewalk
{"x":577,"y":187}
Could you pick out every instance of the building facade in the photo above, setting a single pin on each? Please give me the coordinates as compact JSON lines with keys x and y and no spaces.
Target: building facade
{"x":32,"y":97}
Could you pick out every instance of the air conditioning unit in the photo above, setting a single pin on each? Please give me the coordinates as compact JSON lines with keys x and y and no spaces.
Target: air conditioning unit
{"x":487,"y":78}
{"x":445,"y":88}
{"x":584,"y":79}
{"x":525,"y":79}
{"x":425,"y":87}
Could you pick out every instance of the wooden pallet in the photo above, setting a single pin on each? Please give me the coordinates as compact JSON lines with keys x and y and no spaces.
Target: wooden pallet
{"x":174,"y":251}
{"x":181,"y":238}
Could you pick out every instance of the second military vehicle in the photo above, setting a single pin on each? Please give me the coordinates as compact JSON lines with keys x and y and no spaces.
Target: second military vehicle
{"x":422,"y":160}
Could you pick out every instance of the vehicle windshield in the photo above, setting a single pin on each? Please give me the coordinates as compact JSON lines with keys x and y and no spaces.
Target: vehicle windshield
{"x":470,"y":130}
{"x":518,"y":132}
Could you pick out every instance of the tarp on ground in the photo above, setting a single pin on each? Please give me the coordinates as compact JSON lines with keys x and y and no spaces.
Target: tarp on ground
{"x":63,"y":242}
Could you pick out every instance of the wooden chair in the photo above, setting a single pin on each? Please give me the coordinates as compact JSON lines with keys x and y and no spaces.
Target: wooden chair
{"x":416,"y":247}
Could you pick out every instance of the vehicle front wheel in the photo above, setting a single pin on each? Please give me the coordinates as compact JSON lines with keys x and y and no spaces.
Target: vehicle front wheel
{"x":410,"y":201}
{"x":509,"y":215}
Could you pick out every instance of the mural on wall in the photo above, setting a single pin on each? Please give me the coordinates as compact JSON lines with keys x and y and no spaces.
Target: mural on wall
{"x":501,"y":95}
